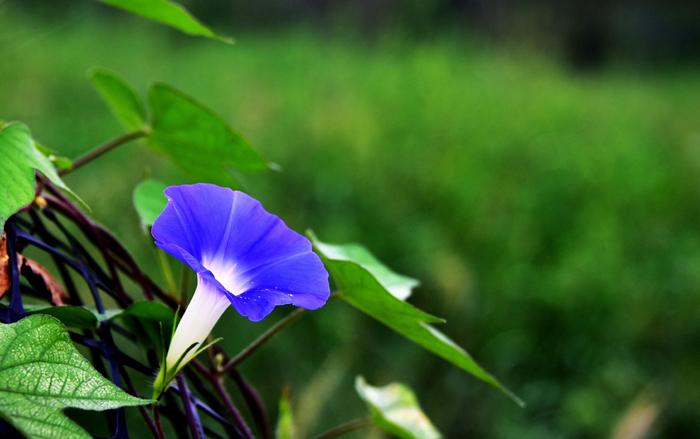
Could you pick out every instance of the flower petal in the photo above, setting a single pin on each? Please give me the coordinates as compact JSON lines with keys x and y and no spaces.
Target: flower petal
{"x":257,"y":261}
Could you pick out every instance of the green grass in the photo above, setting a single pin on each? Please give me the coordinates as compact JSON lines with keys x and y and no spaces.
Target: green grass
{"x":553,"y":217}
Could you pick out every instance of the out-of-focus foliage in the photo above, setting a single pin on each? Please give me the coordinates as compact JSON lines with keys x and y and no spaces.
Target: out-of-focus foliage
{"x":551,"y":216}
{"x":394,"y":408}
{"x":125,"y":104}
{"x":285,"y":421}
{"x":149,"y":200}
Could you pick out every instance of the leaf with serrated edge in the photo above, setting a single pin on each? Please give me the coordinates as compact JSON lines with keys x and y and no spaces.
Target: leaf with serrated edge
{"x":121,"y":99}
{"x":41,"y":373}
{"x":358,"y":287}
{"x":394,"y":408}
{"x":19,"y":159}
{"x":149,"y":200}
{"x":196,"y":139}
{"x":168,"y":13}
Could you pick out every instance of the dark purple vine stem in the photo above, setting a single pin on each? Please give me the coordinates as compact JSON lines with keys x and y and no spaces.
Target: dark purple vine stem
{"x":255,"y":403}
{"x":193,"y":420}
{"x":16,"y":305}
{"x":261,"y":340}
{"x":219,"y":388}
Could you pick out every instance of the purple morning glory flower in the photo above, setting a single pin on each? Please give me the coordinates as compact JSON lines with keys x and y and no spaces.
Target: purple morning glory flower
{"x":243,"y":256}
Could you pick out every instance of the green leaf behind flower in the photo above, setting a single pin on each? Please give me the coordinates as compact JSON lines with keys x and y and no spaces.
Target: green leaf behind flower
{"x":394,"y":408}
{"x":149,"y":200}
{"x":371,"y":295}
{"x":197,"y":140}
{"x":121,"y":99}
{"x":151,"y":321}
{"x":41,"y":373}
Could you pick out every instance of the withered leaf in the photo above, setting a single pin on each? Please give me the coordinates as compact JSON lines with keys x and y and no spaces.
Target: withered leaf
{"x":4,"y":267}
{"x":58,"y":294}
{"x":32,"y":268}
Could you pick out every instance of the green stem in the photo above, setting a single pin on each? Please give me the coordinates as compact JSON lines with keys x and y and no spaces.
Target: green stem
{"x":261,"y":340}
{"x":104,"y":148}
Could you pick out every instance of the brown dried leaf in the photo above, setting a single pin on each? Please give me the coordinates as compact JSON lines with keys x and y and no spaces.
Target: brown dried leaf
{"x":58,"y":294}
{"x":4,"y":267}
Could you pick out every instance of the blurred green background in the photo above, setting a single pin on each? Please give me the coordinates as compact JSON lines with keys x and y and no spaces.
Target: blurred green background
{"x":547,"y":196}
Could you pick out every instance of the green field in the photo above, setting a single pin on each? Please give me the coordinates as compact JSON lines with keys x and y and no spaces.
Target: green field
{"x":551,"y":216}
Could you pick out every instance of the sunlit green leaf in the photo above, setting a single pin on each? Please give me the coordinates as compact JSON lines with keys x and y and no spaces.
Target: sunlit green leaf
{"x":197,"y":140}
{"x":121,"y":99}
{"x":19,"y":159}
{"x":394,"y":408}
{"x":398,"y":285}
{"x":358,"y":287}
{"x":41,"y":373}
{"x":285,"y":420}
{"x":149,"y":200}
{"x":166,"y":12}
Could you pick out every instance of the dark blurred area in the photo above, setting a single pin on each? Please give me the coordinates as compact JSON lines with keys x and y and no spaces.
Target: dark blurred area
{"x":586,"y":35}
{"x":535,"y":163}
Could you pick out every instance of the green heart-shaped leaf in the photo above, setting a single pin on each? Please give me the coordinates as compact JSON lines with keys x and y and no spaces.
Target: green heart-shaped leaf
{"x":41,"y":373}
{"x":149,"y":200}
{"x":196,"y":139}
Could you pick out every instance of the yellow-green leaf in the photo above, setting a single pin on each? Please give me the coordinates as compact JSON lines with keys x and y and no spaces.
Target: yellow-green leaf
{"x":394,"y":408}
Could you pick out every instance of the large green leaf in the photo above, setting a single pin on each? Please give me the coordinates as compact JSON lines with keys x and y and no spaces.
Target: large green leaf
{"x":19,"y":159}
{"x":196,"y":139}
{"x":125,"y":104}
{"x":41,"y":373}
{"x":168,"y":13}
{"x":361,"y":289}
{"x":394,"y":408}
{"x":149,"y":200}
